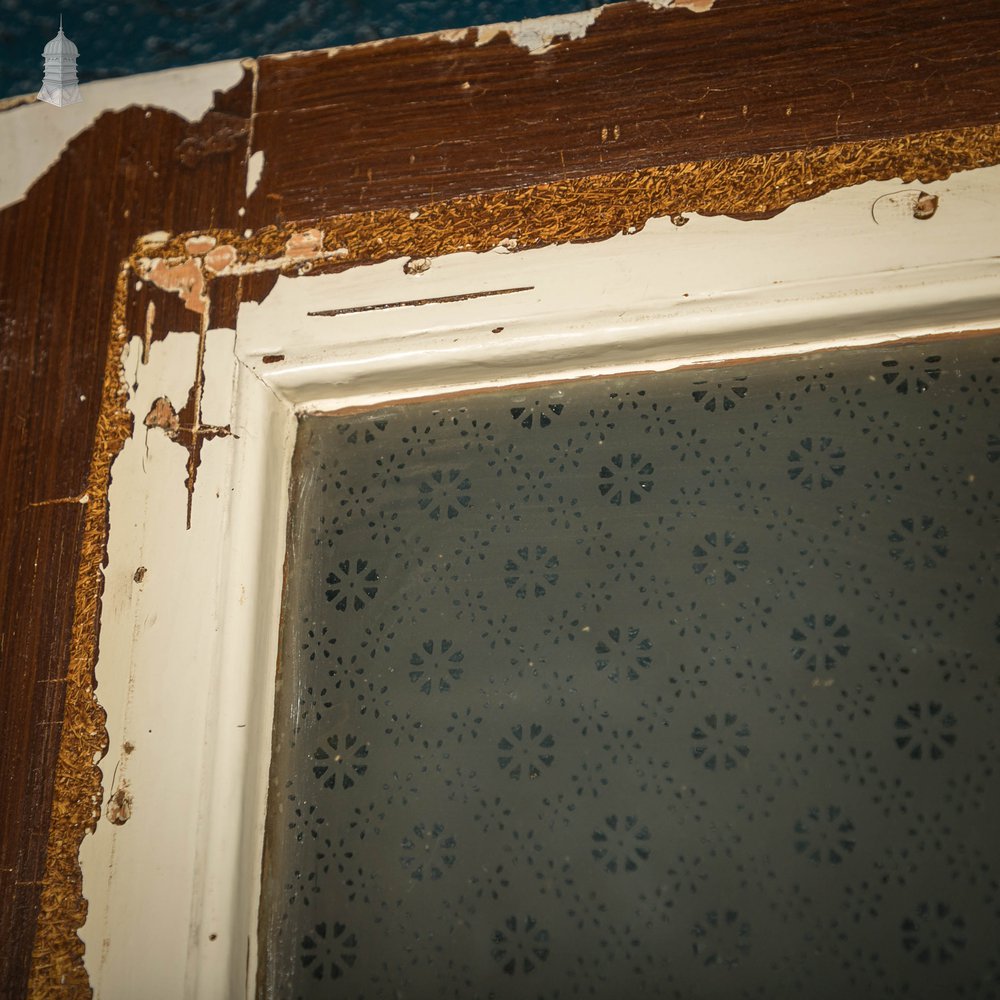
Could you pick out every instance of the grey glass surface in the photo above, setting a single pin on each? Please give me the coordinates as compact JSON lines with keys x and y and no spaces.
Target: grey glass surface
{"x":680,"y":685}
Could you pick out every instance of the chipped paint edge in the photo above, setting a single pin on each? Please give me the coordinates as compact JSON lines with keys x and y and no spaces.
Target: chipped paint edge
{"x":260,"y":253}
{"x":845,"y":288}
{"x":255,"y":167}
{"x":535,"y":35}
{"x":540,"y":34}
{"x":222,"y":898}
{"x":33,"y":134}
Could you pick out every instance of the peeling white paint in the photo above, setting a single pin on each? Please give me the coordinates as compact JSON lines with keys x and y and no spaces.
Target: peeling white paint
{"x":698,"y":6}
{"x":540,"y":34}
{"x":162,"y":667}
{"x":156,"y":239}
{"x":33,"y":134}
{"x":255,"y":167}
{"x":452,"y":35}
{"x":135,"y":621}
{"x":449,"y":34}
{"x":819,"y":273}
{"x":536,"y":35}
{"x":187,"y":651}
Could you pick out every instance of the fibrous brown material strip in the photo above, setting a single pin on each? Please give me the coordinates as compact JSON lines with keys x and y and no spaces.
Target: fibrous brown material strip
{"x":579,"y":210}
{"x":594,"y":208}
{"x":57,"y":959}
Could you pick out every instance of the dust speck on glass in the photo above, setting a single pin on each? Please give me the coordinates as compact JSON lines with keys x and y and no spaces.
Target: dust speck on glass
{"x":680,"y":685}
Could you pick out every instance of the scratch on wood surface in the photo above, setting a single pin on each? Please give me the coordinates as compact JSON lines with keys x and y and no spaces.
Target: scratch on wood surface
{"x":147,"y":337}
{"x":79,"y":498}
{"x":222,"y":139}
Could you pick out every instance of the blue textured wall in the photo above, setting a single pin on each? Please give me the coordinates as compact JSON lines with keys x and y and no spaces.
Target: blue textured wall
{"x":140,"y":36}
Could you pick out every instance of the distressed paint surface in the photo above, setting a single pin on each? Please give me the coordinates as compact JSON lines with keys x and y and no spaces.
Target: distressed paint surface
{"x":183,"y":422}
{"x":480,"y":117}
{"x":162,"y":573}
{"x":139,"y":691}
{"x":166,"y":725}
{"x":59,"y":431}
{"x":33,"y":135}
{"x":539,"y":35}
{"x":194,"y":182}
{"x":715,"y":258}
{"x":690,"y":280}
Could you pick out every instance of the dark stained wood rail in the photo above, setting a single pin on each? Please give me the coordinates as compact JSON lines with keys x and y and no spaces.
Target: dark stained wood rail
{"x":389,"y":125}
{"x":418,"y":120}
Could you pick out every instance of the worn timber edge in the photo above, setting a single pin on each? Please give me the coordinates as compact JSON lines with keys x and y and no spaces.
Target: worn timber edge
{"x":587,"y":209}
{"x":931,"y":109}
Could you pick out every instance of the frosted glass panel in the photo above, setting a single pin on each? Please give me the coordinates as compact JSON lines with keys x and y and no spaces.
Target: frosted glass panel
{"x":679,"y":685}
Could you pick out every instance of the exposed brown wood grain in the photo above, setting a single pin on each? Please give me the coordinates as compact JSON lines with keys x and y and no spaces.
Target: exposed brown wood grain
{"x":225,"y":302}
{"x":39,"y":551}
{"x":60,"y":252}
{"x":416,"y":120}
{"x":376,"y":127}
{"x":152,"y":313}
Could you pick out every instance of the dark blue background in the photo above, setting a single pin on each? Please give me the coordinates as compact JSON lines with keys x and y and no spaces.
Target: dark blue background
{"x":140,"y":36}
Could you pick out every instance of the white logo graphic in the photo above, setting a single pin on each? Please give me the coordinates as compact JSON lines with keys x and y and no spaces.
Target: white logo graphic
{"x":59,"y":86}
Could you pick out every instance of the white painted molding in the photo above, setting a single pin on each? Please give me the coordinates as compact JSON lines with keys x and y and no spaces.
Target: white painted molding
{"x":188,"y":647}
{"x":820,"y":274}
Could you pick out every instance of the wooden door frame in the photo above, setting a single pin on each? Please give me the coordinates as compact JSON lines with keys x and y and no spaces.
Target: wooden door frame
{"x":572,"y":130}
